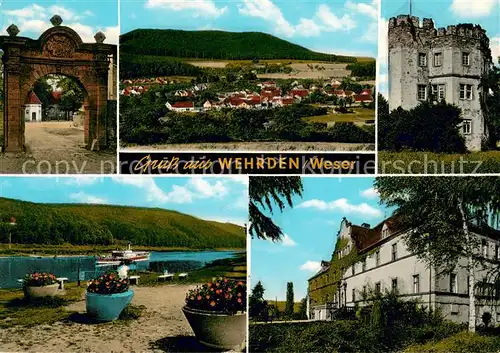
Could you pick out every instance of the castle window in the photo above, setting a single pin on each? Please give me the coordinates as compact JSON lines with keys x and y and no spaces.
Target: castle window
{"x":467,"y":127}
{"x":364,"y":265}
{"x":438,"y":92}
{"x":422,"y":92}
{"x":465,"y":59}
{"x":416,"y":283}
{"x":394,"y":285}
{"x":465,"y":91}
{"x":394,"y":252}
{"x":453,"y":283}
{"x":353,"y":269}
{"x":377,"y":257}
{"x":438,"y":59}
{"x":496,"y":252}
{"x":484,"y":246}
{"x":422,"y":59}
{"x":377,"y":287}
{"x":353,"y":295}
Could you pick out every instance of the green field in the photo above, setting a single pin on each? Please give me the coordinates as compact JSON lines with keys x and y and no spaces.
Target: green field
{"x":360,"y":116}
{"x":438,"y":163}
{"x":282,"y":305}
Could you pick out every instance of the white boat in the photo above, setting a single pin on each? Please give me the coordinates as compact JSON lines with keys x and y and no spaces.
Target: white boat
{"x":123,"y":256}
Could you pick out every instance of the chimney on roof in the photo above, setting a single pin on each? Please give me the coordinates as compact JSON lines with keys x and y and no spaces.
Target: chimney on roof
{"x":365,"y":225}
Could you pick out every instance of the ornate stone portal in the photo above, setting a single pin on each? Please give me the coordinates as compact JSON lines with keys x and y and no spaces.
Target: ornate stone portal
{"x":59,"y":50}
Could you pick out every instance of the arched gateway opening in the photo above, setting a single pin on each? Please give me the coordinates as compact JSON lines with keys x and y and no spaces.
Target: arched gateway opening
{"x":58,"y":51}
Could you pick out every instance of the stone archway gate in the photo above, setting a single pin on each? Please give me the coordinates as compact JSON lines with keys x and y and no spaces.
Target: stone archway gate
{"x":59,"y":50}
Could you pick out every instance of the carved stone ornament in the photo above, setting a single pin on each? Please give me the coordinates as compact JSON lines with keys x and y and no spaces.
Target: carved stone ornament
{"x":59,"y":46}
{"x":13,"y":30}
{"x":56,"y":20}
{"x":99,"y":37}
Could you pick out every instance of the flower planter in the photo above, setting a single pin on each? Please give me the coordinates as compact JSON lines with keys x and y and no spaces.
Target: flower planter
{"x":107,"y":307}
{"x":217,"y":329}
{"x":41,"y":291}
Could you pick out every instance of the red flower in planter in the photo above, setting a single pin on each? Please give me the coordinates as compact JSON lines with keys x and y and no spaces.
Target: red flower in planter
{"x":222,"y":295}
{"x":39,"y":279}
{"x":109,"y":283}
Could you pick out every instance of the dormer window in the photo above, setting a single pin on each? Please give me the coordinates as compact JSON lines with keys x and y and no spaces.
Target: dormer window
{"x":385,"y":231}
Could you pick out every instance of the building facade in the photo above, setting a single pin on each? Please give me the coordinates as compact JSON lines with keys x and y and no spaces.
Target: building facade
{"x":426,"y":63}
{"x":383,"y":263}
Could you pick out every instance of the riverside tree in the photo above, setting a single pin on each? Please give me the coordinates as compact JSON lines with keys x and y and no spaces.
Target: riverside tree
{"x":264,"y":193}
{"x":443,"y":214}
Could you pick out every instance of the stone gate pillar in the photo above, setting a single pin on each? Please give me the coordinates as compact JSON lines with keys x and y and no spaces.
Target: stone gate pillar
{"x":13,"y":122}
{"x":101,"y":64}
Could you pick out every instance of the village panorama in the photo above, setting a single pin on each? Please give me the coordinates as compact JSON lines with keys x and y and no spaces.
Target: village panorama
{"x":199,"y":100}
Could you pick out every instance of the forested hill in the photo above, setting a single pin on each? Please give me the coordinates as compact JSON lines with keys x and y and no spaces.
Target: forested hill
{"x":105,"y":224}
{"x":218,"y":45}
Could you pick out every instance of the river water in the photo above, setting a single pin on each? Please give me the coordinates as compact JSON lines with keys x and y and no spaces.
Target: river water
{"x":13,"y":268}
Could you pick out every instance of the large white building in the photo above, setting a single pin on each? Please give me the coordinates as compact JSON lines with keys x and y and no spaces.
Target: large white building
{"x":445,"y":63}
{"x":388,"y":265}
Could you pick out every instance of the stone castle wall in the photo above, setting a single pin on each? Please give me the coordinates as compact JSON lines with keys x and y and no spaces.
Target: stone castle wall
{"x":408,"y":38}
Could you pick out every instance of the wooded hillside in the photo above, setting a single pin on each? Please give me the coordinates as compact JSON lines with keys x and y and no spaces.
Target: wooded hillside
{"x":106,"y":224}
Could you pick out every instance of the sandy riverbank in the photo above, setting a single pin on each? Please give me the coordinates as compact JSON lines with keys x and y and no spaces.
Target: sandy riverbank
{"x":161,"y":328}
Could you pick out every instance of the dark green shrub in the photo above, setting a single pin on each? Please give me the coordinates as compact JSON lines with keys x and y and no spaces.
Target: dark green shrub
{"x":427,"y":127}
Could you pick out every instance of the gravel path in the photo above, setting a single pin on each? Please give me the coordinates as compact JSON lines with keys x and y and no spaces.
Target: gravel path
{"x":162,"y":327}
{"x":57,"y":148}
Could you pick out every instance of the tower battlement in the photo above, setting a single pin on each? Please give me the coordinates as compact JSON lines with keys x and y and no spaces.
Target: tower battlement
{"x":467,"y":30}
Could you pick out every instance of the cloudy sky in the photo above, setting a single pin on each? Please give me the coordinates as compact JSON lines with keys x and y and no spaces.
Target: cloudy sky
{"x":311,"y":228}
{"x":339,"y":26}
{"x":223,"y":199}
{"x":85,"y":17}
{"x":444,"y":13}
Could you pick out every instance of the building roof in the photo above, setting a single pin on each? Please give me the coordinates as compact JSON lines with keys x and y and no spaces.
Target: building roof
{"x":32,"y":98}
{"x":55,"y":97}
{"x":183,"y":105}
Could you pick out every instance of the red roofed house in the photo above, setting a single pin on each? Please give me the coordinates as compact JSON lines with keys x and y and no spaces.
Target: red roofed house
{"x":363,"y":98}
{"x":32,"y":108}
{"x":296,"y":92}
{"x":181,"y":106}
{"x":269,"y":84}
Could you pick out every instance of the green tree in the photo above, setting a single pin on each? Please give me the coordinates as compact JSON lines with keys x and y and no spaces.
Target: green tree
{"x":72,"y":95}
{"x":43,"y":91}
{"x":289,"y":308}
{"x":427,"y":127}
{"x":490,"y":83}
{"x":445,"y":215}
{"x":263,"y":193}
{"x":302,"y":314}
{"x":257,"y":304}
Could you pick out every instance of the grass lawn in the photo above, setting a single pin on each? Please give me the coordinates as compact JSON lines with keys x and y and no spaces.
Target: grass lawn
{"x":15,"y":310}
{"x":438,"y":163}
{"x":359,"y":116}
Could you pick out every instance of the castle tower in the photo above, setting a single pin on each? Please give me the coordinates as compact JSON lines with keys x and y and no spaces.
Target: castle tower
{"x":426,"y":63}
